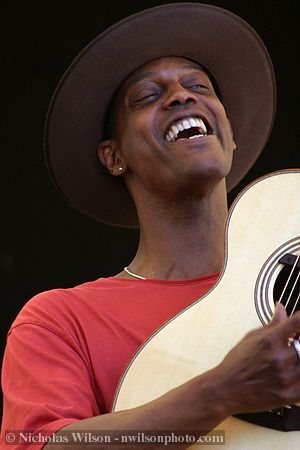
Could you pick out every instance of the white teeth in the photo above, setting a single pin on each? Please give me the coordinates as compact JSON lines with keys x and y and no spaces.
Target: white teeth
{"x":175,"y":129}
{"x":185,"y":124}
{"x":193,"y":122}
{"x":201,"y":124}
{"x":172,"y":134}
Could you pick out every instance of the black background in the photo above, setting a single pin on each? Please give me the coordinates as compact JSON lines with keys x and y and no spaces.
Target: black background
{"x":44,"y":242}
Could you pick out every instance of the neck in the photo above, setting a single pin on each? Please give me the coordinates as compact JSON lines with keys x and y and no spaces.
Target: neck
{"x":182,"y":240}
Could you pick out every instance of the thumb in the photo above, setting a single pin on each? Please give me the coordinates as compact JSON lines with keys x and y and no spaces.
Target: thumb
{"x":280,"y":314}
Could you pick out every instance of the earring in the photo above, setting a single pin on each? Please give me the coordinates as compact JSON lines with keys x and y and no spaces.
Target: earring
{"x":120,"y":169}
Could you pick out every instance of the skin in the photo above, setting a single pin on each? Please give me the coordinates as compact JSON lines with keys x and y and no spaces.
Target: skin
{"x":179,"y":187}
{"x":180,"y":192}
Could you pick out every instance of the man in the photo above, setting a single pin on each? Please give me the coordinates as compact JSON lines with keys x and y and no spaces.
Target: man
{"x":144,"y":97}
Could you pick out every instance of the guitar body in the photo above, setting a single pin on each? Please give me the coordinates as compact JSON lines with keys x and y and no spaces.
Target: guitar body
{"x":263,"y":226}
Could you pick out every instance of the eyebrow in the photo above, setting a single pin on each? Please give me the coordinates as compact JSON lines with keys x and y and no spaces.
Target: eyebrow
{"x":195,"y":66}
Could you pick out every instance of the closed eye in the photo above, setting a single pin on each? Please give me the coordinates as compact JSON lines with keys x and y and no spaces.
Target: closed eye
{"x":145,"y":97}
{"x":199,"y":88}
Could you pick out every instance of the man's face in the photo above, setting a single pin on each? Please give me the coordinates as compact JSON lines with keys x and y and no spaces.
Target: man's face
{"x":171,"y":128}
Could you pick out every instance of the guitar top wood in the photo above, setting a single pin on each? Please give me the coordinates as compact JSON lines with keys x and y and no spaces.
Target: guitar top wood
{"x":264,"y":219}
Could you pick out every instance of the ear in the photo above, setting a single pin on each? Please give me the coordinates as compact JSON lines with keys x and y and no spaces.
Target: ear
{"x":234,"y":144}
{"x":110,"y":157}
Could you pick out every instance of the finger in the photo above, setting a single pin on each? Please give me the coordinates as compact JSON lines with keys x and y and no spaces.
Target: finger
{"x":290,"y":377}
{"x":292,"y":392}
{"x":296,"y":347}
{"x":291,"y":357}
{"x":294,"y":375}
{"x":280,"y":314}
{"x":290,"y":327}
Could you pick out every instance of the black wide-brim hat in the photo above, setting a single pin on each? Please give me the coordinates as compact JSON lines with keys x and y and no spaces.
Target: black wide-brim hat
{"x":215,"y":38}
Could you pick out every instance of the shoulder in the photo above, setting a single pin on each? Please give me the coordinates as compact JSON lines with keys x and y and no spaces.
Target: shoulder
{"x":57,"y":309}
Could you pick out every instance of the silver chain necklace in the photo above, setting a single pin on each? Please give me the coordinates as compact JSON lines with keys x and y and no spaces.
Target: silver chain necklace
{"x":135,"y":275}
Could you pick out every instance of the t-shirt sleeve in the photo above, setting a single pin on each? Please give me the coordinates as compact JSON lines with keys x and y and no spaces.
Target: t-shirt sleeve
{"x":46,"y":382}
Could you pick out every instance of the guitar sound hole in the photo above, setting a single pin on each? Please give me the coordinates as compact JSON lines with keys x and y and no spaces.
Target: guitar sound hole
{"x":287,"y":287}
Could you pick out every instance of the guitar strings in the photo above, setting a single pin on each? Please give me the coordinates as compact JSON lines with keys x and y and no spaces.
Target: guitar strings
{"x":296,"y":302}
{"x":292,"y":291}
{"x":287,"y":283}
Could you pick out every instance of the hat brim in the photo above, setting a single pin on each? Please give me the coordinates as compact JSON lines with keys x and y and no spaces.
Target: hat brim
{"x":215,"y":38}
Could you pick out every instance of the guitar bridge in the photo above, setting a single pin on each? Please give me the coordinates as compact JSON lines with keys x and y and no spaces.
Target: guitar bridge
{"x":286,"y":418}
{"x":289,"y":260}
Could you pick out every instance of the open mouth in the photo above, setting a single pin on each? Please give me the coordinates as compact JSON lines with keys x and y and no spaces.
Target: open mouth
{"x":187,"y":128}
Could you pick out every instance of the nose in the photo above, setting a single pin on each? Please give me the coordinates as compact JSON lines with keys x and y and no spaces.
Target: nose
{"x":178,"y":95}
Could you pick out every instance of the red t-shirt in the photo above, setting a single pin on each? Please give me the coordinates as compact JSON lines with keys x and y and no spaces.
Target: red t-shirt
{"x":68,"y":348}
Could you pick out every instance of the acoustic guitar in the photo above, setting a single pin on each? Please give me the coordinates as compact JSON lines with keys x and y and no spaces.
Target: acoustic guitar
{"x":261,"y":265}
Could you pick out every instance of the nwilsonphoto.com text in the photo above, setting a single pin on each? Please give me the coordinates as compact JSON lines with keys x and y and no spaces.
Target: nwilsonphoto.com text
{"x":122,"y":438}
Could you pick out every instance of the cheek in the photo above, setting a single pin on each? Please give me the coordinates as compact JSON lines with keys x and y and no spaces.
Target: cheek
{"x":136,"y":135}
{"x":226,"y":128}
{"x":134,"y":149}
{"x":230,"y":133}
{"x":125,"y":136}
{"x":231,"y":141}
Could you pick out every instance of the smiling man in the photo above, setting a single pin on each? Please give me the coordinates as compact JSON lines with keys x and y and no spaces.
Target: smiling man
{"x":172,"y":144}
{"x":152,"y":124}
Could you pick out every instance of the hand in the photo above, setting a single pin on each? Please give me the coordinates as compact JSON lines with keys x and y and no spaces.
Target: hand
{"x":262,"y":371}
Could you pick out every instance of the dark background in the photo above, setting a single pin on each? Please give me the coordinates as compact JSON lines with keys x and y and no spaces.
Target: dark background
{"x":44,"y":242}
